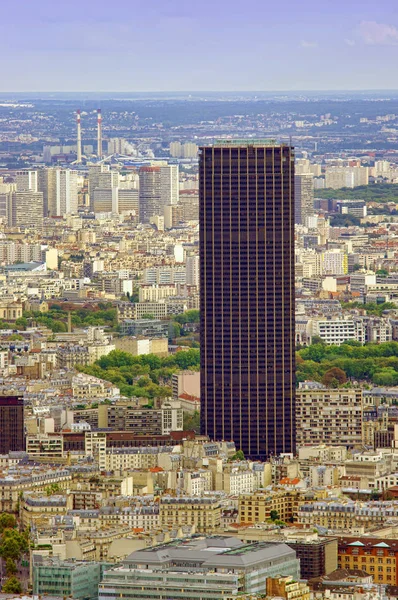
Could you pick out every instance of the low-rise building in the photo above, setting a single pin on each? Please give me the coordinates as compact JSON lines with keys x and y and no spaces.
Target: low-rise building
{"x":206,"y":568}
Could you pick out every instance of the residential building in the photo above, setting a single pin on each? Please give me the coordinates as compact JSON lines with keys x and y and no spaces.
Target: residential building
{"x":329,"y":416}
{"x":203,"y":513}
{"x":303,"y":197}
{"x":26,"y":210}
{"x":376,"y":556}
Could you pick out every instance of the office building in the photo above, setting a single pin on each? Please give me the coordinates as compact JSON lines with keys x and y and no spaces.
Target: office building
{"x":48,"y":186}
{"x":207,"y":568}
{"x":12,"y":432}
{"x":26,"y":210}
{"x":303,"y":197}
{"x":66,"y":578}
{"x":247,"y":295}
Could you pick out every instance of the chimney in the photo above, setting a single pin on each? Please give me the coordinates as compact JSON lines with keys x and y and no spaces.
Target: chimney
{"x":79,"y":138}
{"x":99,"y":133}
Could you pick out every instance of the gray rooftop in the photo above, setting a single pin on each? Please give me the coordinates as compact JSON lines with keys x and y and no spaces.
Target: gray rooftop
{"x":211,"y":552}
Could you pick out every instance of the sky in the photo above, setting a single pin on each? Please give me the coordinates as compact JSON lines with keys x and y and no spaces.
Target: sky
{"x":197,"y":45}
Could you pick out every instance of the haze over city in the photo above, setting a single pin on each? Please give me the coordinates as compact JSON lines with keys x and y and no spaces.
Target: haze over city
{"x":175,"y":45}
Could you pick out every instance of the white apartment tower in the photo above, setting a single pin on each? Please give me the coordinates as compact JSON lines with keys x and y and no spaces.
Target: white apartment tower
{"x":27,"y":181}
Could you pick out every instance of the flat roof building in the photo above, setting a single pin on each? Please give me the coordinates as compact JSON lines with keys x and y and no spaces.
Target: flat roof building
{"x":206,"y":568}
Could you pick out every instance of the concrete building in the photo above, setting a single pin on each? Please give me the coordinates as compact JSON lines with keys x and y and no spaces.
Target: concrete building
{"x":329,"y":416}
{"x":26,"y":210}
{"x":303,"y":197}
{"x":26,"y":181}
{"x":203,"y":568}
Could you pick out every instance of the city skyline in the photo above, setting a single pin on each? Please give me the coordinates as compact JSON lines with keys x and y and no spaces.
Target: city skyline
{"x":293,"y":47}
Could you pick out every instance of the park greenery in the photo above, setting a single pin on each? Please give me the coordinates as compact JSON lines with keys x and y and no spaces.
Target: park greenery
{"x":13,"y":545}
{"x":371,"y":308}
{"x":349,"y":363}
{"x":56,"y":318}
{"x":146,"y":376}
{"x":376,"y":192}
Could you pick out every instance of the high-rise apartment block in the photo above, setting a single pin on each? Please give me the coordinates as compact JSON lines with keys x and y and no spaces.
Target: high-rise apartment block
{"x":12,"y":432}
{"x":303,"y":197}
{"x":25,"y":210}
{"x":150,"y":194}
{"x":59,"y":188}
{"x":329,"y":416}
{"x":247,"y":295}
{"x":26,"y":181}
{"x":159,"y":188}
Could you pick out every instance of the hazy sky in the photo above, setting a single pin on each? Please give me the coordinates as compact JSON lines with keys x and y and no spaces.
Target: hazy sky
{"x":154,"y":45}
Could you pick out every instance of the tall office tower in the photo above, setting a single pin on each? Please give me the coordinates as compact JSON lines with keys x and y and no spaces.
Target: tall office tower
{"x":303,"y":197}
{"x":247,"y":295}
{"x":47,"y":184}
{"x":150,"y":194}
{"x":26,"y":181}
{"x":169,"y":185}
{"x":26,"y":210}
{"x":12,"y":431}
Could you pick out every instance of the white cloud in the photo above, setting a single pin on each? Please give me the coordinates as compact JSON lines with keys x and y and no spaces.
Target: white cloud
{"x":307,"y":44}
{"x":350,"y":42}
{"x":378,"y":34}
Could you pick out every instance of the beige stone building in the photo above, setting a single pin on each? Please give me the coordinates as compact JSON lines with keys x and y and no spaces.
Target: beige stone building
{"x":203,"y":513}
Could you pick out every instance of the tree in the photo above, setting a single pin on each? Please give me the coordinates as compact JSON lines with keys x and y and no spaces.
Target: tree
{"x":7,"y":521}
{"x":192,"y":421}
{"x":274,"y":515}
{"x":382,"y":272}
{"x":238,"y":455}
{"x":12,"y":586}
{"x":11,"y":567}
{"x":333,"y":376}
{"x":356,"y":267}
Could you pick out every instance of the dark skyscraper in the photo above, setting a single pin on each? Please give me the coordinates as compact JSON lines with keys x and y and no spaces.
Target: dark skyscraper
{"x":12,"y":432}
{"x":247,"y":295}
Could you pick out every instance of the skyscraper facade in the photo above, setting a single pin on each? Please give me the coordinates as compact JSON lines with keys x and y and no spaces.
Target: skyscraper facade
{"x":12,"y":433}
{"x":247,"y":295}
